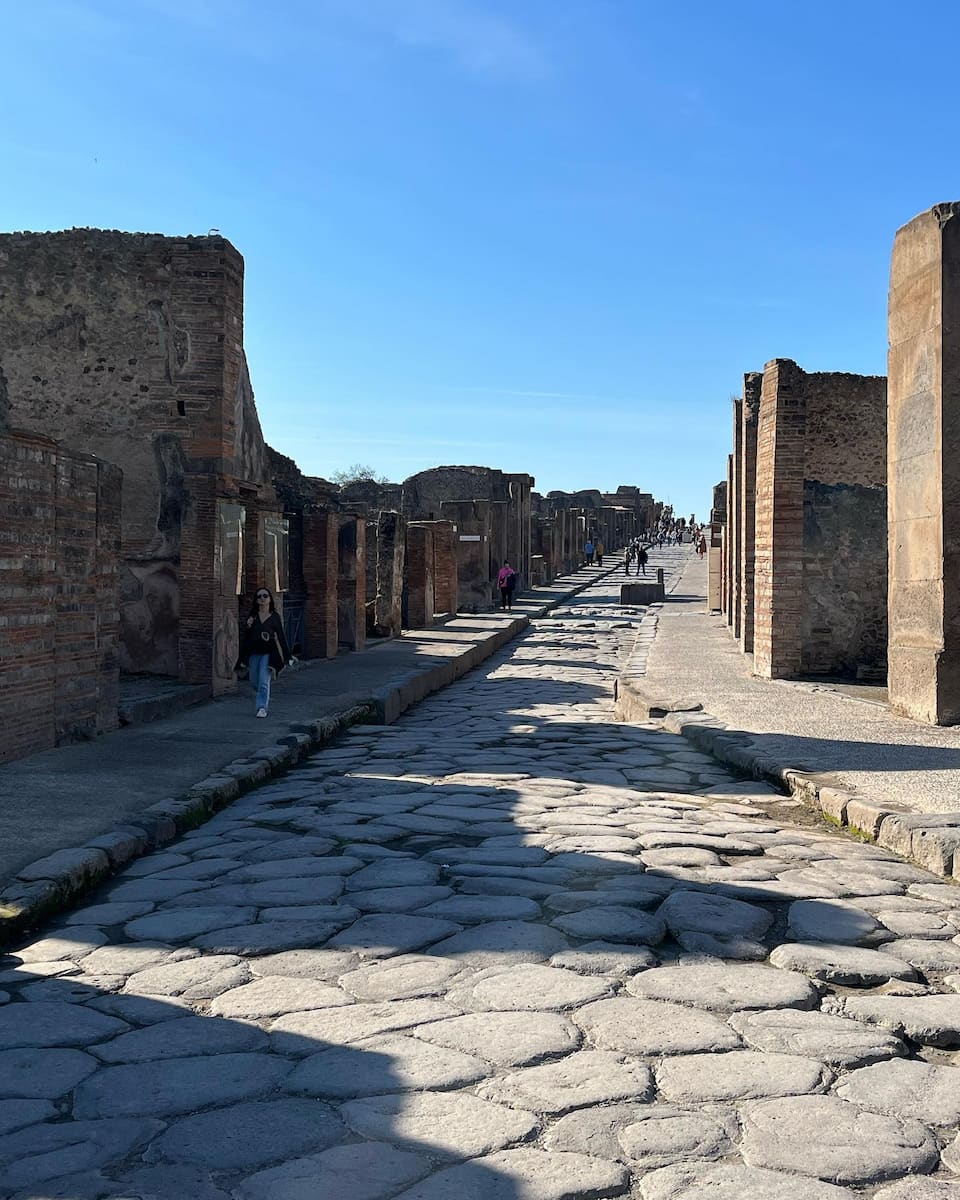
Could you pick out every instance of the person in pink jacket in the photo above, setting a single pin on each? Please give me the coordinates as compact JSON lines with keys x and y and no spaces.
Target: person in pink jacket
{"x":506,"y":582}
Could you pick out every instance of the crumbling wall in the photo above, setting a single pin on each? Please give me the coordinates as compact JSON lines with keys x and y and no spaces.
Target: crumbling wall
{"x":60,"y":529}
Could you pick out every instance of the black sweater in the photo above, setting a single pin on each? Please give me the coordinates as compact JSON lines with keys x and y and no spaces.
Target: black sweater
{"x":265,"y":637}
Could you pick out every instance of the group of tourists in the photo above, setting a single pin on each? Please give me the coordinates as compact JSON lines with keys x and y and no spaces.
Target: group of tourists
{"x":636,"y":552}
{"x":593,"y":553}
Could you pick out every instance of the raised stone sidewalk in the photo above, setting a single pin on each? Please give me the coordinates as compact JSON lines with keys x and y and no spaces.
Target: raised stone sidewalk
{"x":71,"y":816}
{"x":889,"y":779}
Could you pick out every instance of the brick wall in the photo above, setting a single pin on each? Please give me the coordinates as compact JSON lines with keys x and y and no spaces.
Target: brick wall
{"x":387,"y":551}
{"x":474,"y":582}
{"x":747,"y":454}
{"x":59,"y":530}
{"x":420,"y":595}
{"x":734,"y":502}
{"x":320,"y":570}
{"x":820,"y":551}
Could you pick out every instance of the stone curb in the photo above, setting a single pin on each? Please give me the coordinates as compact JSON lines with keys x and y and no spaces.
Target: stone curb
{"x":931,"y":840}
{"x":55,"y":882}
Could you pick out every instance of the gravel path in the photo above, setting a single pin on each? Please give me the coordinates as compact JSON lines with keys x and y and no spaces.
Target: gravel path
{"x":503,"y":950}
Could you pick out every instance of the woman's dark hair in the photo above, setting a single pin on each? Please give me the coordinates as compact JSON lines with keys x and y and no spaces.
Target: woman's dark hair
{"x":254,"y":608}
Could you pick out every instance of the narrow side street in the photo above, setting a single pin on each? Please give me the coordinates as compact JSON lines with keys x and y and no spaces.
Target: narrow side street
{"x":505,"y":949}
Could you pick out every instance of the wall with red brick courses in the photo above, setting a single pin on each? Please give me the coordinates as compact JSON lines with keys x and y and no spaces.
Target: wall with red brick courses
{"x":747,"y":482}
{"x":420,"y":592}
{"x":444,"y":567}
{"x":820,"y":552}
{"x":320,"y":574}
{"x":59,"y":533}
{"x":734,"y":501}
{"x":130,"y":346}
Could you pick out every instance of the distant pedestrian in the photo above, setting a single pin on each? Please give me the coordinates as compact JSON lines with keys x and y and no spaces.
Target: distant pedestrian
{"x":628,"y":557}
{"x":642,"y":560}
{"x":702,"y":546}
{"x":599,"y":552}
{"x":263,"y":648}
{"x":507,"y":583}
{"x":588,"y":552}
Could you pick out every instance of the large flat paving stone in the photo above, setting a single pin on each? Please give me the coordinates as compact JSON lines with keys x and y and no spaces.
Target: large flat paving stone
{"x":615,"y":923}
{"x":930,"y":957}
{"x":834,"y":1040}
{"x":929,"y":1020}
{"x":725,"y":987}
{"x":714,"y":924}
{"x":525,"y":1174}
{"x":394,"y":1063}
{"x":653,"y":1027}
{"x":693,"y":1079}
{"x":45,"y":1151}
{"x":398,"y":899}
{"x":181,"y":1038}
{"x":381,"y":934}
{"x":502,"y":942}
{"x":507,"y":1039}
{"x":198,"y":978}
{"x":50,"y":1023}
{"x":835,"y":1141}
{"x":834,"y":921}
{"x":182,"y":924}
{"x":596,"y":1130}
{"x":918,"y":1090}
{"x":405,"y":977}
{"x":397,"y":873}
{"x":584,"y":1078}
{"x":849,"y":966}
{"x":451,"y":1124}
{"x":527,"y":987}
{"x":130,"y":957}
{"x":731,"y":1182}
{"x":605,"y":958}
{"x":471,"y":910}
{"x":306,"y":963}
{"x":305,"y":1032}
{"x":29,"y":1073}
{"x":275,"y":995}
{"x":16,"y":1114}
{"x":919,"y":1189}
{"x":245,"y":1136}
{"x":667,"y":1135}
{"x":177,"y":1085}
{"x":267,"y":937}
{"x":361,"y":1170}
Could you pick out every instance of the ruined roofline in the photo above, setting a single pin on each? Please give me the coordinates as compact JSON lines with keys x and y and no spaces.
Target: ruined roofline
{"x":76,"y":231}
{"x":776,"y":362}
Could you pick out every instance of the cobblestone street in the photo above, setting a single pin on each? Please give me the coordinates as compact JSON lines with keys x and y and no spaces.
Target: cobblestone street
{"x":505,"y":949}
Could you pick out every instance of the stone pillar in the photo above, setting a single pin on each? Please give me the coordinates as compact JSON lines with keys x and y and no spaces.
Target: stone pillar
{"x":778,"y":577}
{"x":734,"y":502}
{"x":444,"y":567}
{"x":320,"y":582}
{"x":351,"y":583}
{"x":421,"y":599}
{"x":389,"y":553}
{"x":923,"y":468}
{"x":727,"y":543}
{"x":473,"y":521}
{"x":748,"y":487}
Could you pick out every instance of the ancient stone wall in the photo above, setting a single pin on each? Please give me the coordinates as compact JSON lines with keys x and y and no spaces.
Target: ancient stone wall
{"x":387,"y":549}
{"x":60,"y":514}
{"x":419,"y":593}
{"x":474,"y":582}
{"x":746,"y":451}
{"x":130,"y":346}
{"x":820,"y":562}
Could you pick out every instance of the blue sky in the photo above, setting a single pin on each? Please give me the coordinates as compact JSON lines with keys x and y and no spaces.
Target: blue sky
{"x":543,"y":235}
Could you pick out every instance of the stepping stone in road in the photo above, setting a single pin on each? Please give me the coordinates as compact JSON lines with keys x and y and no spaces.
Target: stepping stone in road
{"x":451,"y":1124}
{"x":834,"y":921}
{"x":728,"y":1182}
{"x":507,"y":1039}
{"x":849,"y":966}
{"x":396,"y":1063}
{"x":897,"y":1088}
{"x":725,"y":987}
{"x":524,"y":1175}
{"x":652,"y":1027}
{"x":738,"y":1075}
{"x":828,"y":1138}
{"x":837,"y":1041}
{"x":929,"y":1020}
{"x":581,"y":1079}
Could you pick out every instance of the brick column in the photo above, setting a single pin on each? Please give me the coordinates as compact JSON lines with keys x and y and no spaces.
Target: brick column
{"x":727,"y":544}
{"x":421,"y":599}
{"x":389,"y":552}
{"x":748,"y":488}
{"x":778,"y":579}
{"x":320,"y":582}
{"x":444,"y":567}
{"x":734,"y":502}
{"x":109,"y":489}
{"x":923,"y":468}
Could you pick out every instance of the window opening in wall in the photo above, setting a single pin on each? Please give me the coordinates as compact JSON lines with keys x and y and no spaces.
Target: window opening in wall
{"x":181,"y":408}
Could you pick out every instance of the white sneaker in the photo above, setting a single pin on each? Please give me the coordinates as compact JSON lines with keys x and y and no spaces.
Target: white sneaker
{"x":261,"y":712}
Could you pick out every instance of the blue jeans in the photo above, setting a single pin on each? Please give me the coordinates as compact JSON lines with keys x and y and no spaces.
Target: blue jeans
{"x":260,"y":678}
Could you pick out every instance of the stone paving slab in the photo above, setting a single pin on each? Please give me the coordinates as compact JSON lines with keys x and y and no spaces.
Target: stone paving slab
{"x":151,"y":1052}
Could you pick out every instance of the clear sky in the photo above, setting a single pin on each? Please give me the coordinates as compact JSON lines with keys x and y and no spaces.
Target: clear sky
{"x":543,"y":235}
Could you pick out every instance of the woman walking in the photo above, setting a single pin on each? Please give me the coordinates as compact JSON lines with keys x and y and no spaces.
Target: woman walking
{"x":263,"y":647}
{"x":506,"y":582}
